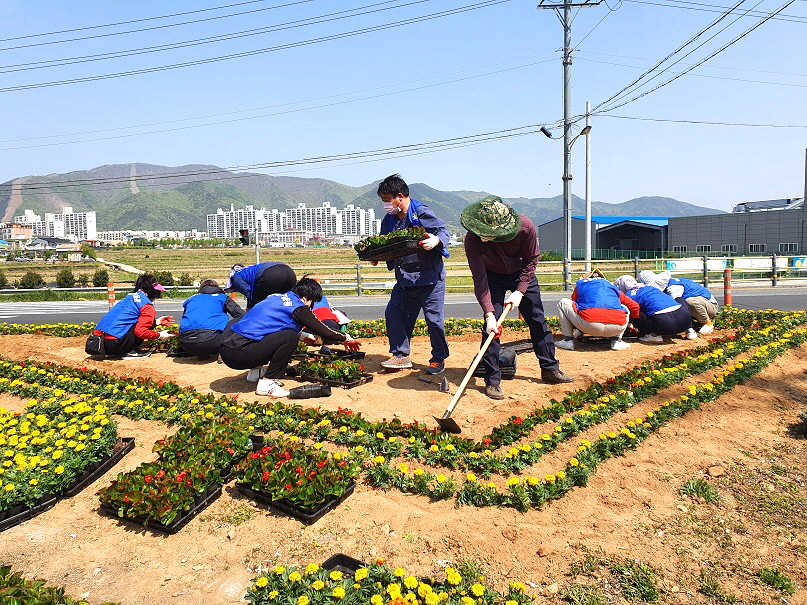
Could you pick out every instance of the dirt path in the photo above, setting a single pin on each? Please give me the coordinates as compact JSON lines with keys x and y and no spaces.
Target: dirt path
{"x":631,"y":508}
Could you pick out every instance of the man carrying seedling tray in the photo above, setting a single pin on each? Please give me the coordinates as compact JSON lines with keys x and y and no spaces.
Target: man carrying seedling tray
{"x":420,"y":277}
{"x":502,"y":251}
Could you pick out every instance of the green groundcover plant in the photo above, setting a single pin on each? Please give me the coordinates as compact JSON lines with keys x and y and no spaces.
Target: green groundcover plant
{"x":18,"y":590}
{"x":344,"y":370}
{"x":376,"y":241}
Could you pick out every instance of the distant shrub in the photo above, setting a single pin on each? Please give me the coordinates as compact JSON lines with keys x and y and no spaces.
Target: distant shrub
{"x":64,"y":279}
{"x":185,"y":280}
{"x":82,"y":280}
{"x":100,"y":278}
{"x":3,"y":279}
{"x":31,"y":280}
{"x":165,"y":278}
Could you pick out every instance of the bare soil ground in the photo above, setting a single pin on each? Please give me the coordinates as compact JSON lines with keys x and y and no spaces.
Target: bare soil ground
{"x":748,"y":444}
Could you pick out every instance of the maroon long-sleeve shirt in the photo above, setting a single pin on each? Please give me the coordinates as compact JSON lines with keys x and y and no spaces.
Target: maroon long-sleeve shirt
{"x":519,"y":255}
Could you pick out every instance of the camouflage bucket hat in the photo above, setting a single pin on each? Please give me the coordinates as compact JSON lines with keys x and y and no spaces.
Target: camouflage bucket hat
{"x":491,"y":217}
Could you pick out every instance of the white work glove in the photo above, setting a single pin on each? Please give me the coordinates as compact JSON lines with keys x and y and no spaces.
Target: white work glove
{"x":429,"y":241}
{"x":514,"y":300}
{"x":492,"y":326}
{"x":164,"y":334}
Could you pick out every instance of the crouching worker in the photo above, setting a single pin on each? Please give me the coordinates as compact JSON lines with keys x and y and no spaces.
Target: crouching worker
{"x":269,"y":332}
{"x":659,"y":314}
{"x":204,"y":319}
{"x":702,"y":303}
{"x":596,"y":308}
{"x":256,"y":282}
{"x":132,"y":320}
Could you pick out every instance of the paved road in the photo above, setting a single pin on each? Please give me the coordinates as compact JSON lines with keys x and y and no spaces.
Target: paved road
{"x":370,"y":307}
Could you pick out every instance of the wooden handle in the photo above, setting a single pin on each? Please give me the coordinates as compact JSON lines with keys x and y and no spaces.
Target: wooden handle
{"x":475,"y":363}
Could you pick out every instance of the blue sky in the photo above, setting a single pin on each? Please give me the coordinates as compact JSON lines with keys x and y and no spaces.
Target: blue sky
{"x":483,"y":70}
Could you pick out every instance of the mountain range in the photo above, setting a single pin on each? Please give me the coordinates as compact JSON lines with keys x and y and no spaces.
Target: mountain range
{"x":147,"y":196}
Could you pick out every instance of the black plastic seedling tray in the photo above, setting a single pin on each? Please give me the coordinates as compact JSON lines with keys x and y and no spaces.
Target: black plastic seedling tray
{"x":306,"y":515}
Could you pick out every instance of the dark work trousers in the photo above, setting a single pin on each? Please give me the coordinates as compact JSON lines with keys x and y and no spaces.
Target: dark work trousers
{"x":664,"y":324}
{"x":201,"y":342}
{"x":276,"y":279}
{"x":402,"y":312}
{"x":242,"y":353}
{"x":532,"y":310}
{"x":118,"y":347}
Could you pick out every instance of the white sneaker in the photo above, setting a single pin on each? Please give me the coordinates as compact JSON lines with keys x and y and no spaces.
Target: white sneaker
{"x":567,"y":344}
{"x":255,"y":374}
{"x":577,"y":334}
{"x":692,"y":334}
{"x":267,"y":386}
{"x":617,"y":344}
{"x":653,"y":339}
{"x":707,"y":329}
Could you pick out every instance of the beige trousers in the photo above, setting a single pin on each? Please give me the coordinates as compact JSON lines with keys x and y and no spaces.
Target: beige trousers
{"x":569,"y":320}
{"x":702,"y":309}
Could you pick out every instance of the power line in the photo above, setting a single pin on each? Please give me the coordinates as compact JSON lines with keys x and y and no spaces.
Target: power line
{"x":701,"y":75}
{"x":326,"y":18}
{"x":705,"y":59}
{"x":604,"y":17}
{"x":145,"y":19}
{"x":625,"y":89}
{"x":752,"y":125}
{"x":348,"y":34}
{"x":716,"y":8}
{"x":430,"y":145}
{"x":233,"y":120}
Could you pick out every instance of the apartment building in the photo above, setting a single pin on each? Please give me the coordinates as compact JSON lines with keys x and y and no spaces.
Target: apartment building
{"x":70,"y":225}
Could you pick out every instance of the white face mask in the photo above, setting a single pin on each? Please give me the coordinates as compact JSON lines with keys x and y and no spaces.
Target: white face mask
{"x":389,"y":208}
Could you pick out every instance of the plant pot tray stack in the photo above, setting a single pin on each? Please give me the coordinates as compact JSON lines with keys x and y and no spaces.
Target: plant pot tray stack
{"x":396,"y":249}
{"x":306,"y":515}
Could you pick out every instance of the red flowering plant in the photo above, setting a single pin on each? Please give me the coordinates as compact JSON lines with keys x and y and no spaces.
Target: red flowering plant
{"x":159,"y":491}
{"x":292,"y":471}
{"x":222,"y":440}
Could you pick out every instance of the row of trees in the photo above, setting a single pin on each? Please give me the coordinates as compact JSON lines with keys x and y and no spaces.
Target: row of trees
{"x":66,"y":279}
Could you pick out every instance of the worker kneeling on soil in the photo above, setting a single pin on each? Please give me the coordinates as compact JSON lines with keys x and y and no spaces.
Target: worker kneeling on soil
{"x":702,"y":303}
{"x":502,"y":251}
{"x":269,"y":332}
{"x":596,"y":308}
{"x":659,"y":314}
{"x":256,"y":282}
{"x":205,"y":316}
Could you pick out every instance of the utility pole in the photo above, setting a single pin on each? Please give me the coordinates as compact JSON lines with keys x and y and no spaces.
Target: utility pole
{"x":564,"y":12}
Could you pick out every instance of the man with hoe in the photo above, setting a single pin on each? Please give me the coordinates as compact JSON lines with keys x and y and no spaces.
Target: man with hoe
{"x":420,"y":278}
{"x":502,"y":250}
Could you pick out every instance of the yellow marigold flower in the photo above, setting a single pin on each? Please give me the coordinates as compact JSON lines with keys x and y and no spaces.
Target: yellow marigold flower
{"x":10,"y":487}
{"x":336,"y":576}
{"x":418,"y":472}
{"x":517,"y":587}
{"x":392,"y":439}
{"x":441,"y":478}
{"x":411,"y":582}
{"x":450,"y":447}
{"x":545,"y":437}
{"x":58,"y":470}
{"x":549,"y":478}
{"x":34,"y":482}
{"x":377,"y":599}
{"x":574,"y":462}
{"x":295,"y":576}
{"x":612,"y":435}
{"x":477,"y":590}
{"x":394,"y":590}
{"x":361,"y":574}
{"x":561,"y":474}
{"x":303,"y":600}
{"x":261,"y":582}
{"x":379,"y":459}
{"x":317,"y":446}
{"x":279,"y":570}
{"x":358,"y":448}
{"x":467,"y":601}
{"x":532,"y":480}
{"x":403,"y":468}
{"x":399,"y":572}
{"x":470,"y":477}
{"x":412,"y":439}
{"x":492,"y":486}
{"x":338,"y":592}
{"x":511,"y":602}
{"x":513,"y":481}
{"x":434,"y":448}
{"x":360,"y":433}
{"x":452,"y":576}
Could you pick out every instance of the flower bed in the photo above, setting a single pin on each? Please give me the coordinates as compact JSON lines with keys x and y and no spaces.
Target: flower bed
{"x":376,"y":584}
{"x":46,"y":449}
{"x":20,"y":590}
{"x":303,"y":478}
{"x":333,"y":371}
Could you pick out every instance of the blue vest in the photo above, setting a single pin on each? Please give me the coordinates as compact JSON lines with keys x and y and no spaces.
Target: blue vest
{"x":271,"y":315}
{"x":244,"y":280}
{"x":597,"y":294}
{"x":652,"y":300}
{"x":204,"y":312}
{"x":123,"y":315}
{"x":691,"y":288}
{"x":323,"y":304}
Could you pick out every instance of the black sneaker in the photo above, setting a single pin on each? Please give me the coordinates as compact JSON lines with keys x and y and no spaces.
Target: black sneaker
{"x":136,"y":354}
{"x":555,"y":377}
{"x":436,"y":367}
